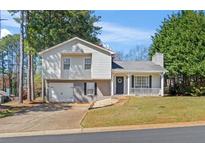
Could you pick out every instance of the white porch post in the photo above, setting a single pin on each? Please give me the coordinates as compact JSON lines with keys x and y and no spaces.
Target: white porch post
{"x":112,"y":85}
{"x":162,"y":84}
{"x":43,"y":91}
{"x":128,"y":85}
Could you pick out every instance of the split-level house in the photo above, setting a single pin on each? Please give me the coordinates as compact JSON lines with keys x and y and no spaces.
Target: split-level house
{"x":79,"y":71}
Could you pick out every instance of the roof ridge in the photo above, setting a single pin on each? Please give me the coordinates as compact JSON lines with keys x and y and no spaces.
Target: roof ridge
{"x":79,"y":39}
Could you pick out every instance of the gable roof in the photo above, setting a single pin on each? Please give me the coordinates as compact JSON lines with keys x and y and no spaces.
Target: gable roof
{"x":136,"y":66}
{"x":80,"y":40}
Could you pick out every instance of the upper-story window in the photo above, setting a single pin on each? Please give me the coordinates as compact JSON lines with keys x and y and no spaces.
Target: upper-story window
{"x":87,"y":63}
{"x":66,"y":63}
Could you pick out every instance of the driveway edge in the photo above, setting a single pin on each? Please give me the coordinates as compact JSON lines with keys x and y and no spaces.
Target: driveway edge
{"x":103,"y":129}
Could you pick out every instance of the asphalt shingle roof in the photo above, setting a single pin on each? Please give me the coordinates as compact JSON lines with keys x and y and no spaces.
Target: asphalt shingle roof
{"x":137,"y":66}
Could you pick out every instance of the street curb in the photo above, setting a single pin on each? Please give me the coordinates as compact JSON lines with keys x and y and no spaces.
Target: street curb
{"x":104,"y":129}
{"x":143,"y":127}
{"x":40,"y":133}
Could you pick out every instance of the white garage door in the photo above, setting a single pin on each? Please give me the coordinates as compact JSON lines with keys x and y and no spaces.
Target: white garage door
{"x":61,"y":92}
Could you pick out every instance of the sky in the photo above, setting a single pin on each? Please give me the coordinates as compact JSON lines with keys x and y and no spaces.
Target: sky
{"x":121,"y":30}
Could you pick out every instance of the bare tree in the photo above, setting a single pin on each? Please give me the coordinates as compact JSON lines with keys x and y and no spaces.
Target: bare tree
{"x":137,"y":53}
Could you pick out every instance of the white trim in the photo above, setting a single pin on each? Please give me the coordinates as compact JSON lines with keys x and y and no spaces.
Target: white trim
{"x":43,"y":89}
{"x":141,"y":81}
{"x":162,"y":83}
{"x":72,"y":39}
{"x":92,"y":88}
{"x":87,"y":63}
{"x":69,"y":60}
{"x":134,"y":71}
{"x":124,"y":86}
{"x":112,"y":86}
{"x":128,"y":84}
{"x":90,"y":79}
{"x":146,"y":91}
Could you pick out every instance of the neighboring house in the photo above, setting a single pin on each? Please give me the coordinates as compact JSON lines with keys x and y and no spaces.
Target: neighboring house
{"x":77,"y":70}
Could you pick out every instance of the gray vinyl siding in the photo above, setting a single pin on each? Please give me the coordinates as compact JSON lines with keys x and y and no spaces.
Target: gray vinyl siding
{"x":103,"y":90}
{"x":77,"y":70}
{"x":156,"y":81}
{"x":101,"y":68}
{"x":101,"y":63}
{"x":52,"y":63}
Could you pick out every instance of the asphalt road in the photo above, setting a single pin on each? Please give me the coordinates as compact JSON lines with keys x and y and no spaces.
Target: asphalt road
{"x":166,"y":135}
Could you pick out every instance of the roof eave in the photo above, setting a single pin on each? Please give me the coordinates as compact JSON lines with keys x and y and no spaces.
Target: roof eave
{"x":135,"y":71}
{"x":76,"y":38}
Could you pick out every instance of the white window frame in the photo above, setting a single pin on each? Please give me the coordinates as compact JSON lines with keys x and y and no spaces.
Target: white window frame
{"x":87,"y":63}
{"x":66,"y":61}
{"x":90,"y":88}
{"x":141,"y":81}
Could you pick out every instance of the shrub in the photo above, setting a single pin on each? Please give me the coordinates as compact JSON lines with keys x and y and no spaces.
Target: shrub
{"x":198,"y":91}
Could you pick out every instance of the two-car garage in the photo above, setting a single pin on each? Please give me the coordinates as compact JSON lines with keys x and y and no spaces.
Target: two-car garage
{"x":60,"y":92}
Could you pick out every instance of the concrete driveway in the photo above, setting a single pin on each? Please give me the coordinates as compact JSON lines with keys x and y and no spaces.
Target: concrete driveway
{"x":49,"y":116}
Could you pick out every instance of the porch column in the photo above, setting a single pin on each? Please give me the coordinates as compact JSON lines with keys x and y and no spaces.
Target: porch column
{"x":162,"y":84}
{"x":111,"y":87}
{"x":43,"y":90}
{"x":128,"y":84}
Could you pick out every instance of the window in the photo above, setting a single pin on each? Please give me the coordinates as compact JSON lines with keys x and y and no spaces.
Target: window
{"x":141,"y":82}
{"x":87,"y":63}
{"x":90,"y":88}
{"x":66,"y":63}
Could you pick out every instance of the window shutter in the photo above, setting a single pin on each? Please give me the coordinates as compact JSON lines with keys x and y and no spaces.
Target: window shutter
{"x":132,"y":81}
{"x":95,"y":88}
{"x":85,"y":87}
{"x":150,"y":81}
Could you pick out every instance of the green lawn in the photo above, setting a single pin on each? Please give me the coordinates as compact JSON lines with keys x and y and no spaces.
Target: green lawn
{"x":148,"y":110}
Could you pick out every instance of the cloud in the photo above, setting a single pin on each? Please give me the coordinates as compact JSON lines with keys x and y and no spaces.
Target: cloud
{"x":115,"y":33}
{"x":5,"y":32}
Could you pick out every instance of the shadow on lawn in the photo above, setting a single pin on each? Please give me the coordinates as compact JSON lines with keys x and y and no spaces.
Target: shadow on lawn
{"x":37,"y":107}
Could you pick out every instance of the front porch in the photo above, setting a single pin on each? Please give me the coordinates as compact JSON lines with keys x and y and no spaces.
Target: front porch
{"x":138,"y":84}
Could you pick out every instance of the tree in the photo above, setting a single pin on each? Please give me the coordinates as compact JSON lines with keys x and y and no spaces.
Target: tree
{"x":38,"y":84}
{"x":29,"y":51}
{"x":10,"y":47}
{"x":2,"y":66}
{"x":137,"y":53}
{"x":182,"y":40}
{"x":48,"y":28}
{"x":21,"y":57}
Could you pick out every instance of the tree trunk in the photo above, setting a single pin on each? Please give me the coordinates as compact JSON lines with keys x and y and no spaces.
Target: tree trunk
{"x":2,"y":67}
{"x":9,"y":83}
{"x":21,"y":58}
{"x":17,"y":77}
{"x":29,"y":78}
{"x":32,"y":80}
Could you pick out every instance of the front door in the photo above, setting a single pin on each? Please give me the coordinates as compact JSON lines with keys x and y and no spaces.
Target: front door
{"x":119,"y":85}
